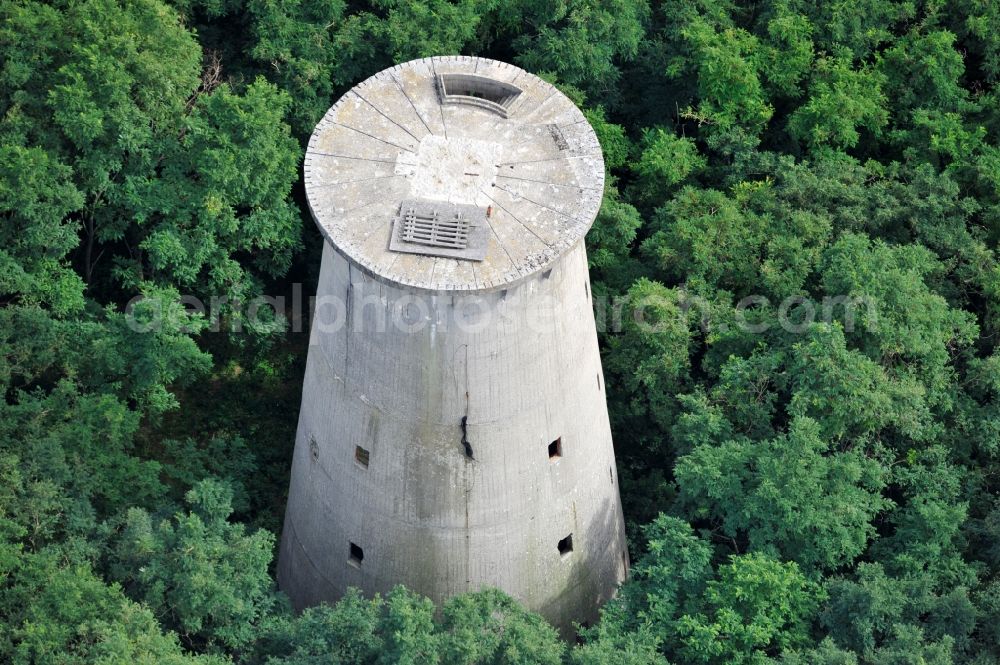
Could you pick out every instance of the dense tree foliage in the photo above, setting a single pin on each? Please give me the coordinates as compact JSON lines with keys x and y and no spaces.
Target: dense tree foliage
{"x":802,"y":214}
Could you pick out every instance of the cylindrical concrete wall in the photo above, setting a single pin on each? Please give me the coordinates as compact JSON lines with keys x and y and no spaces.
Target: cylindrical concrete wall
{"x":380,"y":462}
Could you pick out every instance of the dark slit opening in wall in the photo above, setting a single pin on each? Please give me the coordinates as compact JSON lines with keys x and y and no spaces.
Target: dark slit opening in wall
{"x":355,"y":555}
{"x":361,"y":456}
{"x":566,"y":545}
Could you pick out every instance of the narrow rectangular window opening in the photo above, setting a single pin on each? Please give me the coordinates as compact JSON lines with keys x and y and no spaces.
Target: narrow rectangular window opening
{"x":555,"y":449}
{"x":355,"y":555}
{"x":566,"y":545}
{"x":361,"y":456}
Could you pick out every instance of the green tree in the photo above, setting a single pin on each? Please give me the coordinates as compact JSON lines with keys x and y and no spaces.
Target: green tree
{"x":582,"y":41}
{"x":795,"y":495}
{"x":756,"y":607}
{"x":346,"y":633}
{"x":889,"y":620}
{"x":177,"y":172}
{"x":490,"y":628}
{"x":408,"y":626}
{"x":56,"y":610}
{"x":665,"y":160}
{"x":841,"y":101}
{"x":650,"y":357}
{"x":205,"y":576}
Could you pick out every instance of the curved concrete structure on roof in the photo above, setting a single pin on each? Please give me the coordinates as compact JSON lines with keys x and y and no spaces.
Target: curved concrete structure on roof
{"x":454,"y":431}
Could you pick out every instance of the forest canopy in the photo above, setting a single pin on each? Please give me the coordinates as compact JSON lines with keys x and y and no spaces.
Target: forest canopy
{"x":805,"y":196}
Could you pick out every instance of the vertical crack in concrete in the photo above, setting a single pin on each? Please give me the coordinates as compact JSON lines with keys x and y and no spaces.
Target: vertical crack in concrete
{"x":468,"y":481}
{"x":465,"y":418}
{"x":465,"y":439}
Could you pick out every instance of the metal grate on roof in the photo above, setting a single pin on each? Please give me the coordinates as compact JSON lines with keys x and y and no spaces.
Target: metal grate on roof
{"x":435,"y":231}
{"x":439,"y":228}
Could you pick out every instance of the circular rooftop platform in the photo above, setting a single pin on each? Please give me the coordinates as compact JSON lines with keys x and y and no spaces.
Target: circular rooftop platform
{"x":454,"y":174}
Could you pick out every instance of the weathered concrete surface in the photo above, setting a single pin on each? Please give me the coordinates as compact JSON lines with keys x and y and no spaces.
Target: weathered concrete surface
{"x":408,"y":346}
{"x":390,"y":138}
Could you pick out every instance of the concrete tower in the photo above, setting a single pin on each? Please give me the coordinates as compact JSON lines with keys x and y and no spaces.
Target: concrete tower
{"x":454,"y":431}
